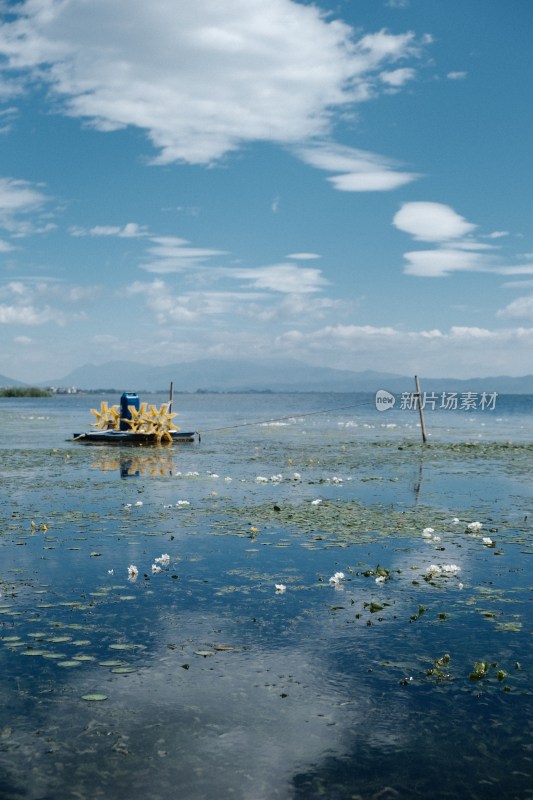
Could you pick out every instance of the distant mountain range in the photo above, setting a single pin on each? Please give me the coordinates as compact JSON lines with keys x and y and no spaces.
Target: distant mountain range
{"x":286,"y":375}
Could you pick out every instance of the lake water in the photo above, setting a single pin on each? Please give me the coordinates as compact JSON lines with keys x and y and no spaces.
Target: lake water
{"x":409,"y":677}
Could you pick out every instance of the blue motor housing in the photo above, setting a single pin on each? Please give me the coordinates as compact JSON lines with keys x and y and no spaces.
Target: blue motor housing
{"x":127,"y":399}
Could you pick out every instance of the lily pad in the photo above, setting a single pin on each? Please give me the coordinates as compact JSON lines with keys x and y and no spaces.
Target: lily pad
{"x":96,"y":697}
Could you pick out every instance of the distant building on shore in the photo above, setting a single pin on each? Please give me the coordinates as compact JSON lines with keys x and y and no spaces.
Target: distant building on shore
{"x":63,"y":389}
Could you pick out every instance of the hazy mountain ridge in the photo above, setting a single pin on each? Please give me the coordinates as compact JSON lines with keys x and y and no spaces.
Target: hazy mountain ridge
{"x":276,"y":376}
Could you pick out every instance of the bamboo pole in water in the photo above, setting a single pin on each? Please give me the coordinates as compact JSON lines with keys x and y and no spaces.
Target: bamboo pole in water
{"x":420,"y":410}
{"x":171,"y":397}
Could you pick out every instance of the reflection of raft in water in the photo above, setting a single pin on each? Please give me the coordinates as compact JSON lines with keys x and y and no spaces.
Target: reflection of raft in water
{"x":135,"y":423}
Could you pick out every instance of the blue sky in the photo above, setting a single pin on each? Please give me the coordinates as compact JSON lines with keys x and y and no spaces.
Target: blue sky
{"x":345,"y":183}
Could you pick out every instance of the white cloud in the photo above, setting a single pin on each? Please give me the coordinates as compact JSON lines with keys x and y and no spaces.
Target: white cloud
{"x":285,"y":278}
{"x":185,"y":308}
{"x":431,"y":222}
{"x":27,"y":315}
{"x":440,"y":262}
{"x":527,"y":284}
{"x":457,"y":76}
{"x":397,"y":77}
{"x":274,"y":292}
{"x":360,"y":171}
{"x":521,"y":308}
{"x":303,"y":256}
{"x":171,"y":254}
{"x":17,"y":198}
{"x":461,"y":351}
{"x":201,"y":78}
{"x":28,"y":302}
{"x":129,"y":231}
{"x":497,"y":234}
{"x":454,"y":248}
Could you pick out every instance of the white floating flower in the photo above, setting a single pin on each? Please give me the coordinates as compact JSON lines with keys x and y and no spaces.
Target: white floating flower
{"x":280,"y":588}
{"x":133,"y":572}
{"x":487,"y":541}
{"x":335,"y":479}
{"x":336,"y":579}
{"x":446,"y":570}
{"x":474,"y":527}
{"x":164,"y":560}
{"x":228,"y":479}
{"x":155,"y":568}
{"x":428,"y":532}
{"x":450,"y":569}
{"x":316,"y":502}
{"x":110,"y":572}
{"x":261,"y":479}
{"x":276,"y":478}
{"x":139,"y":503}
{"x":381,"y":579}
{"x":128,"y":505}
{"x":456,"y":521}
{"x":182,"y":503}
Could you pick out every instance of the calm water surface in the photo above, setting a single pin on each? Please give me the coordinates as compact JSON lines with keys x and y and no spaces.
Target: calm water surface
{"x":408,"y":678}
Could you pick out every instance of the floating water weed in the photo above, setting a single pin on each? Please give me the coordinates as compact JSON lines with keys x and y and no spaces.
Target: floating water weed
{"x":96,"y":697}
{"x":480,"y":670}
{"x":439,"y":670}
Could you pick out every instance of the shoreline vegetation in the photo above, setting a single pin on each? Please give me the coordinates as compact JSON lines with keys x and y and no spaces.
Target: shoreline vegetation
{"x":24,"y":391}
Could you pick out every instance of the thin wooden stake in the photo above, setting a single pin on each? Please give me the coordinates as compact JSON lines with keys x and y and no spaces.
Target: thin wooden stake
{"x":420,"y":411}
{"x":171,"y":400}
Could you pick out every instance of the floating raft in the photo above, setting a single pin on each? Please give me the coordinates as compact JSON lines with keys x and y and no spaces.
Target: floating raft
{"x":128,"y":437}
{"x":135,"y":423}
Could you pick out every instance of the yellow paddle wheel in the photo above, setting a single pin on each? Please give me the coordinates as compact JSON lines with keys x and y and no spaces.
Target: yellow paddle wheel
{"x":150,"y":421}
{"x":107,"y":418}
